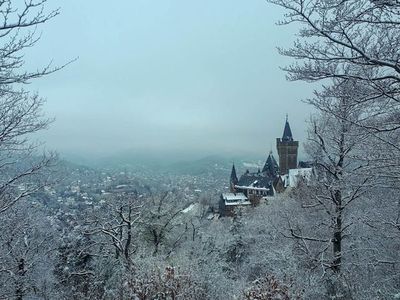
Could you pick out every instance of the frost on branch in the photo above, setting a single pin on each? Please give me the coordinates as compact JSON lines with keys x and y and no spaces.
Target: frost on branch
{"x":169,"y":285}
{"x":270,"y":288}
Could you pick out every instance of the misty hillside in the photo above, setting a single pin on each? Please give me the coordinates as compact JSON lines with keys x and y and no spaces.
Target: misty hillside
{"x":215,"y":164}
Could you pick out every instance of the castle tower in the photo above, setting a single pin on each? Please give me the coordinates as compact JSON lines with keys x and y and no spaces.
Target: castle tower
{"x":287,"y":150}
{"x":233,"y":180}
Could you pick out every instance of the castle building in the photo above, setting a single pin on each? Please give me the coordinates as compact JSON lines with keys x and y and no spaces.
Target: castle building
{"x":287,"y":150}
{"x":256,"y":185}
{"x":251,"y":187}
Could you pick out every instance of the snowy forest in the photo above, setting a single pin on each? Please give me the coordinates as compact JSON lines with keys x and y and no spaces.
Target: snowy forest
{"x":69,"y":231}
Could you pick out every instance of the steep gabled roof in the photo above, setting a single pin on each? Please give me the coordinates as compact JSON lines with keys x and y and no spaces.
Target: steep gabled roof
{"x":287,"y":133}
{"x":271,"y":167}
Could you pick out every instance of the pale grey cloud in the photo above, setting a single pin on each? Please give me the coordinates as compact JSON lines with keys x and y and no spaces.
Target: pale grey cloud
{"x":195,"y":75}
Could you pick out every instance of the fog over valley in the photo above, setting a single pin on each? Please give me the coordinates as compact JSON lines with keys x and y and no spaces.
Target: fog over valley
{"x":159,"y":78}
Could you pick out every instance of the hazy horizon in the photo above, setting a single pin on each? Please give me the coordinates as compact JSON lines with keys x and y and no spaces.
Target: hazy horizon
{"x":168,"y":77}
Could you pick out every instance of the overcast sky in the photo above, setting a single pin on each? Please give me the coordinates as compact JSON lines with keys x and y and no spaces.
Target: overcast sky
{"x":166,"y":75}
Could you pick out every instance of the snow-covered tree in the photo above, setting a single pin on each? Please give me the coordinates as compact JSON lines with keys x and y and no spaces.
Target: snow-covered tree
{"x":27,"y":253}
{"x":163,"y":223}
{"x":357,"y":40}
{"x":337,"y":36}
{"x":20,"y":111}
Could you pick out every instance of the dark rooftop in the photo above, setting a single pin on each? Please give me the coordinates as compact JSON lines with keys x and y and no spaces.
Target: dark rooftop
{"x":287,"y":132}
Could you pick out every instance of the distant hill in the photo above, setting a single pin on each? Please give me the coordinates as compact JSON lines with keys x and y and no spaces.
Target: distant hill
{"x":175,"y":163}
{"x":210,"y":164}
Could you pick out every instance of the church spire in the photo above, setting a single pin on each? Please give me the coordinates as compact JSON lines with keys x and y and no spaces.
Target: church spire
{"x":287,"y":132}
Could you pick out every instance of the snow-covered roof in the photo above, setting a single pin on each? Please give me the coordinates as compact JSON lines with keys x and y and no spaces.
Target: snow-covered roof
{"x":234,"y":196}
{"x":233,"y":203}
{"x":243,"y":187}
{"x":256,"y":180}
{"x":235,"y":199}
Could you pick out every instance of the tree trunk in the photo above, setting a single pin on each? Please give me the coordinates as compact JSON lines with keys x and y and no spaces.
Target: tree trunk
{"x":19,"y":291}
{"x":156,"y":240}
{"x":337,"y":234}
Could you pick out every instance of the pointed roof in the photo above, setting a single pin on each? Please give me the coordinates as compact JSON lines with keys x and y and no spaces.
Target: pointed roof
{"x":234,"y":178}
{"x":287,"y":132}
{"x":271,"y":167}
